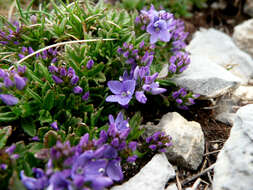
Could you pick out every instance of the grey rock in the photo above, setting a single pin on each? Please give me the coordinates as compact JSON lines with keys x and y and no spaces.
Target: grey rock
{"x":234,"y":166}
{"x":220,"y":49}
{"x":187,"y":138}
{"x":153,"y":176}
{"x":206,"y":78}
{"x":248,"y":7}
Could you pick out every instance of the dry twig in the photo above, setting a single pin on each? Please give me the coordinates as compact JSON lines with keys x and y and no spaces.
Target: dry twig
{"x":197,"y":175}
{"x":179,"y":186}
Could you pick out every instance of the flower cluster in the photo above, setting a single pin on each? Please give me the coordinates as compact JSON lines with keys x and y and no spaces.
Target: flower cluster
{"x":64,"y":76}
{"x":94,"y":164}
{"x":184,"y":99}
{"x":179,"y":62}
{"x":9,"y":36}
{"x":159,"y":24}
{"x":158,"y":142}
{"x":162,"y":25}
{"x":139,"y":80}
{"x":179,"y":36}
{"x":11,"y":81}
{"x":49,"y":54}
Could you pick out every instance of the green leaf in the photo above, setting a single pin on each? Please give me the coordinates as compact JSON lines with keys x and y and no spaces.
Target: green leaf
{"x":86,"y":108}
{"x":95,"y":117}
{"x":168,"y":82}
{"x":34,"y":95}
{"x":35,"y":147}
{"x":42,"y":131}
{"x":7,"y":117}
{"x":134,"y":123}
{"x":50,"y":139}
{"x":29,"y":127}
{"x":95,"y":70}
{"x":5,"y":133}
{"x":45,"y":117}
{"x":70,"y":103}
{"x":48,"y":102}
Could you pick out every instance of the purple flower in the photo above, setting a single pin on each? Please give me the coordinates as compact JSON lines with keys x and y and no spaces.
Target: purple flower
{"x":78,"y":90}
{"x":54,"y":125}
{"x":123,"y":91}
{"x":2,"y":73}
{"x":20,"y":82}
{"x":52,"y":69}
{"x":179,"y":101}
{"x":132,"y":145}
{"x":58,"y":181}
{"x":140,"y":97}
{"x":57,"y":80}
{"x":9,"y":99}
{"x":3,"y":166}
{"x":119,"y":125}
{"x":141,"y":44}
{"x":38,"y":183}
{"x":63,"y":72}
{"x":152,"y":147}
{"x":90,"y":64}
{"x":173,"y":68}
{"x":91,"y":170}
{"x":153,"y":88}
{"x":114,"y":171}
{"x":132,"y":159}
{"x":30,"y":50}
{"x":21,"y":56}
{"x":71,"y":72}
{"x":35,"y":138}
{"x":21,"y":69}
{"x":74,"y":79}
{"x":8,"y":82}
{"x":10,"y":150}
{"x":158,"y":30}
{"x":85,"y":97}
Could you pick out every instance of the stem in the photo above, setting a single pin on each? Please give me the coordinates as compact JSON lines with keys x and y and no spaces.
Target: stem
{"x":61,"y":44}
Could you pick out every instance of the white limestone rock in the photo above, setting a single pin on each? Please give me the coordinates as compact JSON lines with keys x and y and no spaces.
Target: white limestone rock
{"x":207,"y":78}
{"x":243,"y":36}
{"x":234,"y":166}
{"x":220,"y":49}
{"x":172,"y":187}
{"x":187,"y":140}
{"x":153,"y":176}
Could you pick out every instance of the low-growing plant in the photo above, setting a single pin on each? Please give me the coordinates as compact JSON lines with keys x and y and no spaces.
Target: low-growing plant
{"x":64,"y":69}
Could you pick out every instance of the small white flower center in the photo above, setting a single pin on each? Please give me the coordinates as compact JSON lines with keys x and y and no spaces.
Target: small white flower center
{"x":101,"y":170}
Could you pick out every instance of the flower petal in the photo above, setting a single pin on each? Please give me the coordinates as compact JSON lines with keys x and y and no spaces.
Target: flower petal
{"x":115,"y":86}
{"x":129,"y":85}
{"x":114,"y":170}
{"x":165,"y":35}
{"x":9,"y":99}
{"x":113,"y":98}
{"x":124,"y":100}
